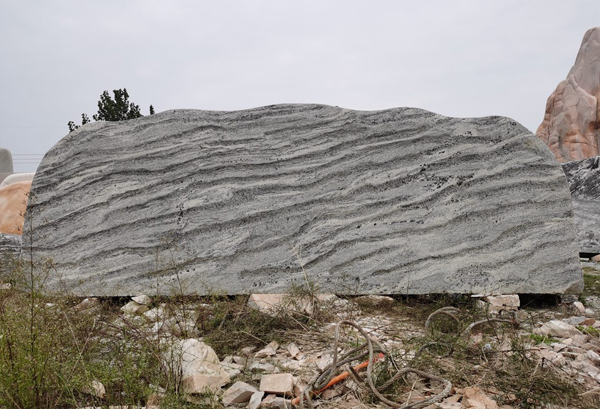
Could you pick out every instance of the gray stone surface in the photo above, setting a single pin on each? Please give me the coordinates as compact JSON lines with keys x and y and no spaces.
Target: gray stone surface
{"x":584,"y":180}
{"x":395,"y":201}
{"x":6,"y":164}
{"x":10,"y":244}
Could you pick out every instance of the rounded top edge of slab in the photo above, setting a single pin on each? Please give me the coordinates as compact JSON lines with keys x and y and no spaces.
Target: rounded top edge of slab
{"x":94,"y":126}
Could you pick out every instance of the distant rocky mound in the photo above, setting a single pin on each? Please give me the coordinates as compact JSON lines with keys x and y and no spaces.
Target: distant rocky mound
{"x":395,"y":201}
{"x":571,"y":122}
{"x":13,"y":202}
{"x":6,"y":164}
{"x":14,"y":194}
{"x":584,"y":178}
{"x":17,"y":177}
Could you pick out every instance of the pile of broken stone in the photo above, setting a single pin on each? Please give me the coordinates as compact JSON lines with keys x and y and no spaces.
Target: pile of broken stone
{"x":281,"y":372}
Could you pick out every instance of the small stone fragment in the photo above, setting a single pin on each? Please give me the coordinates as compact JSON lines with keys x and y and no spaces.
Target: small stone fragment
{"x":324,"y":362}
{"x":476,"y":398}
{"x":497,"y":303}
{"x":580,"y":307}
{"x":557,"y":328}
{"x":266,"y":303}
{"x":262,"y":367}
{"x":511,"y":300}
{"x":593,"y":356}
{"x":239,"y":392}
{"x":290,"y":364}
{"x":269,"y":350}
{"x":142,"y":299}
{"x":589,"y":322}
{"x":274,"y":402}
{"x":200,"y":366}
{"x":87,"y":304}
{"x":247,"y":350}
{"x":293,"y":350}
{"x":202,"y":383}
{"x":553,"y":357}
{"x":133,"y":308}
{"x":95,"y":389}
{"x":255,"y":400}
{"x":280,"y":384}
{"x":574,"y":320}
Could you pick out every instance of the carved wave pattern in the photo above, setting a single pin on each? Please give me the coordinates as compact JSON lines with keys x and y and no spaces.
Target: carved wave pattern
{"x":394,"y":201}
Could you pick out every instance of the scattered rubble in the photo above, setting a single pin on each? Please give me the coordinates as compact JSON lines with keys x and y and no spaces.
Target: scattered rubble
{"x":200,"y":366}
{"x":239,"y":392}
{"x":134,"y":308}
{"x":557,"y":328}
{"x":279,"y":384}
{"x":274,"y":375}
{"x":142,"y":299}
{"x":96,"y":388}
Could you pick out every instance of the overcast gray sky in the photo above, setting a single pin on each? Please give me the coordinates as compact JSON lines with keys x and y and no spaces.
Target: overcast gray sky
{"x":457,"y":58}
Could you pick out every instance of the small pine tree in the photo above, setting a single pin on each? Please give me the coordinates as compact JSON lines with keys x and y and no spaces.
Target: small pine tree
{"x":112,"y":109}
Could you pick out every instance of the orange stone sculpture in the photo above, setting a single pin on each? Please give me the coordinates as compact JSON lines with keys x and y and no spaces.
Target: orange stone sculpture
{"x":13,"y":202}
{"x":571,"y":122}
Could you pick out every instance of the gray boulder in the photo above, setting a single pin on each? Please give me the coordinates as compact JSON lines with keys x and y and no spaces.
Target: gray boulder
{"x":394,"y":201}
{"x":6,"y":164}
{"x":584,"y":181}
{"x":10,"y":244}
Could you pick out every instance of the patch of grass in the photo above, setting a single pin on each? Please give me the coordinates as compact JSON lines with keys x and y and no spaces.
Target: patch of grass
{"x":534,"y":385}
{"x":233,"y":325}
{"x":546,"y":339}
{"x":589,"y":330}
{"x":591,"y":285}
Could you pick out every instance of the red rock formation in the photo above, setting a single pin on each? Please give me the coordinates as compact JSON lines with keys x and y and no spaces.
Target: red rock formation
{"x":13,"y":202}
{"x":571,"y":121}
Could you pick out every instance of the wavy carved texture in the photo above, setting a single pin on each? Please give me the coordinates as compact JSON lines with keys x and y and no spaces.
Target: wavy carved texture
{"x":584,"y":180}
{"x":394,"y":201}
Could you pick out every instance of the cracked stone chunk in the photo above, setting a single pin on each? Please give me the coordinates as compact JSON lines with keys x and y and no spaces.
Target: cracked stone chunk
{"x":133,"y":308}
{"x":96,"y":388}
{"x":324,"y":362}
{"x":142,"y":299}
{"x":266,"y":303}
{"x":475,"y":397}
{"x":200,"y":366}
{"x":239,"y":392}
{"x":293,"y":350}
{"x":280,"y":384}
{"x":557,"y":328}
{"x":511,"y":301}
{"x":593,"y":356}
{"x":269,"y":350}
{"x":202,"y":383}
{"x":255,"y":400}
{"x":274,"y":402}
{"x":261,"y":367}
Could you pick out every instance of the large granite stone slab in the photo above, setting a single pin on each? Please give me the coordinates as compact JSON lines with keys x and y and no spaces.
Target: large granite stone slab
{"x":584,"y":180}
{"x":395,"y":201}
